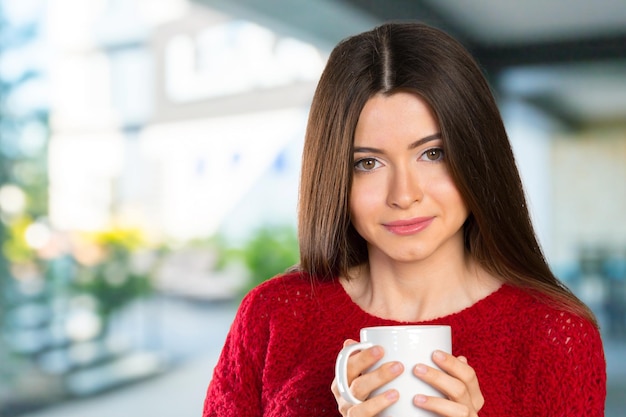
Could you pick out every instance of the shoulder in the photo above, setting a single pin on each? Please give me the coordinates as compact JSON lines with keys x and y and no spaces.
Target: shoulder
{"x":534,"y":320}
{"x":541,"y":310}
{"x":292,"y":284}
{"x":294,"y":293}
{"x":564,"y":358}
{"x":553,"y":328}
{"x":265,"y":304}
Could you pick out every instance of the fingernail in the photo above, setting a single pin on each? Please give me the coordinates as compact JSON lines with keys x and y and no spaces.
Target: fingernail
{"x":420,"y":399}
{"x":392,"y":395}
{"x":376,"y":351}
{"x":396,"y":368}
{"x":439,"y":355}
{"x":420,"y":369}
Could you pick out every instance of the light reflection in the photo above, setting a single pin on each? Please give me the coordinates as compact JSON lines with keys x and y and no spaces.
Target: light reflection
{"x":37,"y":235}
{"x":12,"y":199}
{"x":83,"y":324}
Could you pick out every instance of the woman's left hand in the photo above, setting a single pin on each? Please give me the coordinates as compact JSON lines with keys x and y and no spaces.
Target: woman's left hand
{"x":457,"y":382}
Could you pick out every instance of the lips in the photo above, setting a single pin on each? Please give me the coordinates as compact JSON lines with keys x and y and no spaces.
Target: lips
{"x":408,"y":226}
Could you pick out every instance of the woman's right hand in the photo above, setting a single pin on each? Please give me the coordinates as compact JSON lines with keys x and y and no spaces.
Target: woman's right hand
{"x":362,"y":384}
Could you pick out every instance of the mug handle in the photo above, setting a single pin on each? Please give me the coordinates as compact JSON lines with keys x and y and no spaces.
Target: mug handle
{"x":341,"y":370}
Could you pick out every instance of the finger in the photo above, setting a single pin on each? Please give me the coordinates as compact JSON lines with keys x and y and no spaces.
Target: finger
{"x":359,"y":362}
{"x":458,"y":382}
{"x":442,"y":406}
{"x":460,"y":369}
{"x":371,"y":407}
{"x":335,"y":389}
{"x":349,"y":342}
{"x":364,"y":385}
{"x":451,"y":387}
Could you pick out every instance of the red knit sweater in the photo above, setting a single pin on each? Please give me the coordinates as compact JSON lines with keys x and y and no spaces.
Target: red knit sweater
{"x":278,"y":359}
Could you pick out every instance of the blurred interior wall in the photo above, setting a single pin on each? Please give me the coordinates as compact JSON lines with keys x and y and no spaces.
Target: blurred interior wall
{"x":589,"y":192}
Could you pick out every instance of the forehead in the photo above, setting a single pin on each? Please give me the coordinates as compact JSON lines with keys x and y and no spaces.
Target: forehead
{"x":402,"y":115}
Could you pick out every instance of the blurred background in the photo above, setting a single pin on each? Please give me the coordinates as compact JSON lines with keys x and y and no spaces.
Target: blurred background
{"x":149,"y":162}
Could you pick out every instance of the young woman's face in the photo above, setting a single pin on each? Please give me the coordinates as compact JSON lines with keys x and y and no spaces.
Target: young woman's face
{"x":403,"y":201}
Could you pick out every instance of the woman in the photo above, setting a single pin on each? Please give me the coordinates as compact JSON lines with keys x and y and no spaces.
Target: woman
{"x":411,"y":211}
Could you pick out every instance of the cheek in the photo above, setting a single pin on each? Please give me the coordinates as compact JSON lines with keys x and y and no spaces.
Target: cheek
{"x":447,"y":193}
{"x":362,"y":203}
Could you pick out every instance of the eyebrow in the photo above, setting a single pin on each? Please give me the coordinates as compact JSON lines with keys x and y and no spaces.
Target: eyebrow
{"x":413,"y":145}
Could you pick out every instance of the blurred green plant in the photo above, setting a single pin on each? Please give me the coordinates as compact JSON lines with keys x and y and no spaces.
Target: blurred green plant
{"x":268,"y":251}
{"x":15,"y":247}
{"x":108,"y":269}
{"x":23,"y":163}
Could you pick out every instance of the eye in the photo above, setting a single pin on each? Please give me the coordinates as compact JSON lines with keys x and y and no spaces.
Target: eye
{"x":366,"y":164}
{"x":433,"y":155}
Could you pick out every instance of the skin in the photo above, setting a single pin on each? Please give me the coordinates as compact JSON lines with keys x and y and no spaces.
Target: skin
{"x":404,"y":203}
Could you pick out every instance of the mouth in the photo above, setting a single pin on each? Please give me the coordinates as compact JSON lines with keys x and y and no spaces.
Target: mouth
{"x":408,"y":226}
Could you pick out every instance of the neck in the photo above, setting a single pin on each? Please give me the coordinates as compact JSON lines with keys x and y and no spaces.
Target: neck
{"x":419,"y":291}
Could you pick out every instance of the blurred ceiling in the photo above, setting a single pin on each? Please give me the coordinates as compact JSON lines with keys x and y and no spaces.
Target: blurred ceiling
{"x":567,"y":57}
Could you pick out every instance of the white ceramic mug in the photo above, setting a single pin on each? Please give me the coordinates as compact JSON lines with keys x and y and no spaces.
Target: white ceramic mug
{"x":409,"y":345}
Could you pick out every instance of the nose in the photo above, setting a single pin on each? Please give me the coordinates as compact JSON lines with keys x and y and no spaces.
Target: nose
{"x":404,"y":188}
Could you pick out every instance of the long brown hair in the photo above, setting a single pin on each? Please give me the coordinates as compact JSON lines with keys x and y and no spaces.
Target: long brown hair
{"x":424,"y":60}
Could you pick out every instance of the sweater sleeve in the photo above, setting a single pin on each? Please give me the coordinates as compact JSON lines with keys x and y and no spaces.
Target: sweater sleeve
{"x":235,"y":389}
{"x":571,"y":368}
